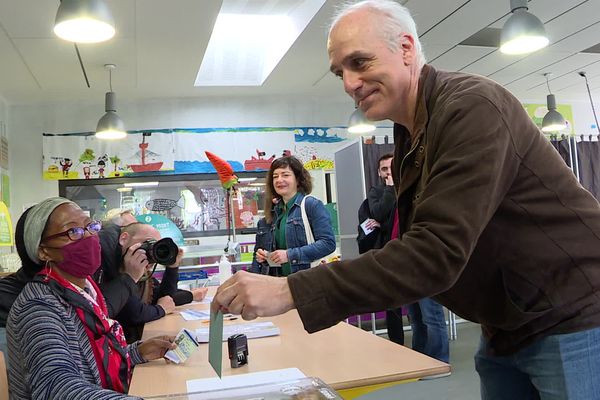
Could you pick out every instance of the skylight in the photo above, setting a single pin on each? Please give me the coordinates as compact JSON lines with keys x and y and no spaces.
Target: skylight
{"x":245,"y":48}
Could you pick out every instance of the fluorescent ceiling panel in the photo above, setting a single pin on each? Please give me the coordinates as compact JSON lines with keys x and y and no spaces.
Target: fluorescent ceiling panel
{"x":245,"y":47}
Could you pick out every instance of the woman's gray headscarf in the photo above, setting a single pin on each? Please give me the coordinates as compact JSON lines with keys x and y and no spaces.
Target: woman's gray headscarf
{"x":35,"y":222}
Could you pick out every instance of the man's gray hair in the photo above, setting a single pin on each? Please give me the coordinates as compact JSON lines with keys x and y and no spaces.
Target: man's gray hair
{"x":115,"y":216}
{"x":396,"y":20}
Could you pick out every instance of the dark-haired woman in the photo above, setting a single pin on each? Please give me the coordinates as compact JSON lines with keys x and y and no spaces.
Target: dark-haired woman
{"x":282,"y":246}
{"x":61,"y":343}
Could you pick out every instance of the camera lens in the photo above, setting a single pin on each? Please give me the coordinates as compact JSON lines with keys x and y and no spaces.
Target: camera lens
{"x":165,"y":251}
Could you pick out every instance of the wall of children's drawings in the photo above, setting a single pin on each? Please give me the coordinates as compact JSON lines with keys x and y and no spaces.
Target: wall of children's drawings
{"x":181,"y":151}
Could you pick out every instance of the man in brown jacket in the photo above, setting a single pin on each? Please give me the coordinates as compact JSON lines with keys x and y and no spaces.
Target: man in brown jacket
{"x":493,"y":224}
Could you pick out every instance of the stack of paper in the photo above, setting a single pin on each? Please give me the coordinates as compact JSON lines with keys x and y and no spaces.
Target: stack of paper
{"x":195,"y":315}
{"x":251,"y":330}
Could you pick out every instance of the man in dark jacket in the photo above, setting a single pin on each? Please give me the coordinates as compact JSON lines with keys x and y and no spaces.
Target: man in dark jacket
{"x":133,"y":295}
{"x":381,"y":206}
{"x":427,"y":320}
{"x":382,"y":200}
{"x":492,"y":223}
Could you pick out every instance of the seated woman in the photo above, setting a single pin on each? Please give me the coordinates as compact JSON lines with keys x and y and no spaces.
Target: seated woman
{"x":281,"y":237}
{"x":61,"y":343}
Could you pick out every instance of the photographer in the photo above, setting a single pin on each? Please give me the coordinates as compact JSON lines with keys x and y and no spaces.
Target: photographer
{"x":133,"y":295}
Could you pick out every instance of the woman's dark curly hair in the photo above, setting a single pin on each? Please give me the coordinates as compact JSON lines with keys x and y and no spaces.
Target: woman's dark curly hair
{"x":302,"y":177}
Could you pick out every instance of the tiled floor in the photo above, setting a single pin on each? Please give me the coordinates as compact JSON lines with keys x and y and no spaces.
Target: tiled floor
{"x":463,"y":384}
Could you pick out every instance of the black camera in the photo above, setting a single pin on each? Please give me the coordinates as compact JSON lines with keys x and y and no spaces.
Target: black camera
{"x":163,"y":251}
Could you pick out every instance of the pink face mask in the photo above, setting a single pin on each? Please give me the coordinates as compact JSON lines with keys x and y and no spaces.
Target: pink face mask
{"x":81,"y":258}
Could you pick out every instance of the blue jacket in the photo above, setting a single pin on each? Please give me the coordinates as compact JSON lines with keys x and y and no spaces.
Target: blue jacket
{"x":299,"y":253}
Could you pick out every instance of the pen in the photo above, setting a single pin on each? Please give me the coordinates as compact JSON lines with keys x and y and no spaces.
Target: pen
{"x":208,"y":280}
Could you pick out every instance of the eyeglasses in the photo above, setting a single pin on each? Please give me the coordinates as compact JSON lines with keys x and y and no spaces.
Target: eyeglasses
{"x":77,"y":233}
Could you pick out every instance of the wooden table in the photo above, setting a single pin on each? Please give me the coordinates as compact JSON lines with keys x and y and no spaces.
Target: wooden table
{"x":349,"y":359}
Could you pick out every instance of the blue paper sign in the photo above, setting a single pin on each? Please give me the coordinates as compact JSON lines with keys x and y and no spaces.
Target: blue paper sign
{"x":164,"y":225}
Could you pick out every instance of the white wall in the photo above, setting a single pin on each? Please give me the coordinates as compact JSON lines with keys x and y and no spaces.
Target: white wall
{"x":27,"y":123}
{"x":3,"y":110}
{"x":584,"y":118}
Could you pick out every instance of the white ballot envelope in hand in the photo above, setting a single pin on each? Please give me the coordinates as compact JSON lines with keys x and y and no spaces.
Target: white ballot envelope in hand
{"x":271,"y":262}
{"x":186,"y":346}
{"x":365,"y":228}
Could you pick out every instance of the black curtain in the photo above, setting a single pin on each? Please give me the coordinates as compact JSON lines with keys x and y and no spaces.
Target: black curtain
{"x":588,"y":161}
{"x":371,"y":153}
{"x":562,"y":146}
{"x":589,"y":166}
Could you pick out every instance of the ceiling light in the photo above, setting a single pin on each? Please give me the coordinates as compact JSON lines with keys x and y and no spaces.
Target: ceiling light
{"x":358,"y":123}
{"x":553,"y":120}
{"x":247,"y":179}
{"x":523,"y":32}
{"x":141,"y":184}
{"x":110,"y":126}
{"x":124,"y":189}
{"x":84,"y":21}
{"x":265,"y":37}
{"x":249,"y":40}
{"x":257,"y":184}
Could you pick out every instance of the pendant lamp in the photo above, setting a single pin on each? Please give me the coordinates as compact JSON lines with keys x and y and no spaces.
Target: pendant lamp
{"x":358,"y":123}
{"x":84,"y":21}
{"x":523,"y":32}
{"x":553,"y":120}
{"x":110,"y":126}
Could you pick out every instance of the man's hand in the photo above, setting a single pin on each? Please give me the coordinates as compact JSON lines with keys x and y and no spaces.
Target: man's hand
{"x":389,"y":180}
{"x":199,"y":293}
{"x":156,"y":347}
{"x":167,"y":303}
{"x":177,"y":262}
{"x":253,"y":295}
{"x":372,"y":224}
{"x":261,"y":255}
{"x":279,"y":256}
{"x":135,"y":262}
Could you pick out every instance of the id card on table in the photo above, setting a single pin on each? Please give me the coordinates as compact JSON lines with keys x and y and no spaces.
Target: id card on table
{"x":186,"y":346}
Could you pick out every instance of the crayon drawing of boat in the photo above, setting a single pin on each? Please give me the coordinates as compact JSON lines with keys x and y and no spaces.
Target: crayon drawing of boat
{"x":144,"y":166}
{"x":258,"y":163}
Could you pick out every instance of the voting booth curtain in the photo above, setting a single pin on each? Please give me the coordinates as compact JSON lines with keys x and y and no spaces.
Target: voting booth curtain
{"x":582,"y":154}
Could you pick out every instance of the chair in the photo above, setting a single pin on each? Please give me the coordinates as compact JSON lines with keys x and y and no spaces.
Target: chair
{"x":3,"y":378}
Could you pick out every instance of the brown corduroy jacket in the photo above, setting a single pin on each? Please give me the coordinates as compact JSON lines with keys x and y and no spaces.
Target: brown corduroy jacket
{"x":493,"y":225}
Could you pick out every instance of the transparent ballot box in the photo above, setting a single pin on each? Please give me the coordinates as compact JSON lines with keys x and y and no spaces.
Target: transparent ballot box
{"x":301,"y":389}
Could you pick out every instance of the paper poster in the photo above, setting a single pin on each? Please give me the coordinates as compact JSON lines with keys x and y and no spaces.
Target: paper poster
{"x":82,"y":156}
{"x":6,"y":229}
{"x":6,"y":189}
{"x":182,"y":151}
{"x":163,"y":225}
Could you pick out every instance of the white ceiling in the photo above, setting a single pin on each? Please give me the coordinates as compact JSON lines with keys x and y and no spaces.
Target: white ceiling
{"x":159,"y":46}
